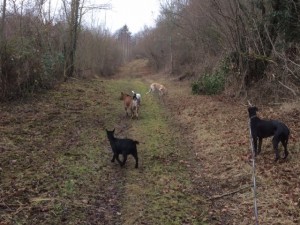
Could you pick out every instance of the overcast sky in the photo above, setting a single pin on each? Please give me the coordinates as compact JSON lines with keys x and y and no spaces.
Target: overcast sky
{"x":134,"y":13}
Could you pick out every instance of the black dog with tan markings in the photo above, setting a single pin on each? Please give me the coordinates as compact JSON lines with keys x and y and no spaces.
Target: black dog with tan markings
{"x":267,"y":128}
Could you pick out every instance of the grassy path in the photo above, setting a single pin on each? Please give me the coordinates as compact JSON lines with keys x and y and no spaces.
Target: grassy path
{"x":55,"y":160}
{"x":160,"y":191}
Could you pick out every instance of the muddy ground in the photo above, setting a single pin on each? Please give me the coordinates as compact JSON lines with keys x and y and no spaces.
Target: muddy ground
{"x":195,"y":158}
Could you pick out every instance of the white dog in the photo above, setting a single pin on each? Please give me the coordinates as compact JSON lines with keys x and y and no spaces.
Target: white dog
{"x":162,"y":90}
{"x":134,"y":107}
{"x":138,"y":97}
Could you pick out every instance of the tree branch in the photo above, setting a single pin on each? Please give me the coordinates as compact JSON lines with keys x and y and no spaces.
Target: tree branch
{"x":229,"y":193}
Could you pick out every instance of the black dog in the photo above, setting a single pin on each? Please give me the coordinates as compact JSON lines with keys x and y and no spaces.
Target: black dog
{"x":266,"y":128}
{"x":122,"y":146}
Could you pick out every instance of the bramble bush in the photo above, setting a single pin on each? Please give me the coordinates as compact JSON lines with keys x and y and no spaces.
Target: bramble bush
{"x":213,"y":83}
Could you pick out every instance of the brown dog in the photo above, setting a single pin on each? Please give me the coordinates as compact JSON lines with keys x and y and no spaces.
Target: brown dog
{"x":161,"y":89}
{"x":127,"y":99}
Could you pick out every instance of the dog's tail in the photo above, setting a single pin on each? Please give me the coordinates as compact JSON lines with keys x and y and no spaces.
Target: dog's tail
{"x":138,"y":142}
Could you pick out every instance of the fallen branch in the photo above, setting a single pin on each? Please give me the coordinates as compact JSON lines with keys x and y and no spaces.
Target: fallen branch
{"x":294,"y":92}
{"x":229,"y":193}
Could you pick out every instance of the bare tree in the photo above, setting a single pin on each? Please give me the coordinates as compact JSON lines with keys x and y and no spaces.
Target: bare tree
{"x":124,"y":38}
{"x":2,"y":47}
{"x":2,"y":26}
{"x":74,"y":17}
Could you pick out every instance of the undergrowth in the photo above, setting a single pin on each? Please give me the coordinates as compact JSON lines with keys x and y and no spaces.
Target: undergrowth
{"x":211,"y":83}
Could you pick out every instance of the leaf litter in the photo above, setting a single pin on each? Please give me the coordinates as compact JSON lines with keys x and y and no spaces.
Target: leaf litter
{"x":218,"y":130}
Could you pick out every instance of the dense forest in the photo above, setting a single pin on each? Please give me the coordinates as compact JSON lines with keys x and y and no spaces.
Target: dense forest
{"x":236,"y":47}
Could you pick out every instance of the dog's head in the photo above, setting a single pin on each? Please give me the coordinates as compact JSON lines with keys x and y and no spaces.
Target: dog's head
{"x":110,"y":134}
{"x":252,"y":111}
{"x":134,"y":96}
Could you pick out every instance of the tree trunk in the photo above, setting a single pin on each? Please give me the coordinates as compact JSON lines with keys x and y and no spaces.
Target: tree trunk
{"x":72,"y":41}
{"x":256,"y":66}
{"x":3,"y":76}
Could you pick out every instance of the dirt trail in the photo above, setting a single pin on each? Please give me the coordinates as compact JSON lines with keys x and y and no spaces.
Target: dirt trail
{"x":194,"y":168}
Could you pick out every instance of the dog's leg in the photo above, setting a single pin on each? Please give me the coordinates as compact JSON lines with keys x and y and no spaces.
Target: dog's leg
{"x":254,"y":138}
{"x":136,"y":159}
{"x":275,"y":142}
{"x":124,"y":159}
{"x":284,"y":143}
{"x":161,"y":91}
{"x":113,"y":158}
{"x":117,"y":157}
{"x":259,"y":145}
{"x":136,"y":113}
{"x":132,"y":114}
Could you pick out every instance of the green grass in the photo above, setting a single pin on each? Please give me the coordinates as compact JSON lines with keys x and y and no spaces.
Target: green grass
{"x":63,"y":158}
{"x":160,"y":191}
